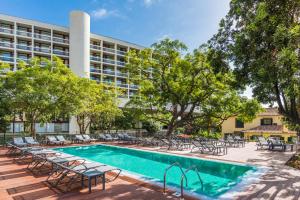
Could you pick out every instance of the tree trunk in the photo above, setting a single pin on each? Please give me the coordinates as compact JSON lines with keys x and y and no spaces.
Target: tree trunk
{"x":170,"y":130}
{"x":32,"y":129}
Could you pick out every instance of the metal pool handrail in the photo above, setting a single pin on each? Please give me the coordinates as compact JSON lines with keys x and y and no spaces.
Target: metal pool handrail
{"x":193,"y":167}
{"x":167,"y":169}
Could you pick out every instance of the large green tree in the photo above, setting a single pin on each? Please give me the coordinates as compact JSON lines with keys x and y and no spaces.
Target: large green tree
{"x":40,"y":93}
{"x":261,"y":38}
{"x":177,"y":87}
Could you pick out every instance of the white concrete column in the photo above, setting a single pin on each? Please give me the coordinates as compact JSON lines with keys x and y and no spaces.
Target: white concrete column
{"x":79,"y":51}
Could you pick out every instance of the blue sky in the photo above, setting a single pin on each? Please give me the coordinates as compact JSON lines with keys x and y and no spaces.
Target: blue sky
{"x":139,"y":21}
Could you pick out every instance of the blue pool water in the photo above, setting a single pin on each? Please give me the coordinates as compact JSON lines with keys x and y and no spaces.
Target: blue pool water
{"x":217,"y":177}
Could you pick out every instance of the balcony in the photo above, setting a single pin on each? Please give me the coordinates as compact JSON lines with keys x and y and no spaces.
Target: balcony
{"x":96,"y":47}
{"x":122,"y":74}
{"x":60,"y":52}
{"x":6,"y":30}
{"x":95,"y":70}
{"x":108,"y":61}
{"x":123,"y":85}
{"x":27,"y":60}
{"x":96,"y":58}
{"x":108,"y":82}
{"x":61,"y":40}
{"x":7,"y":44}
{"x":24,"y":47}
{"x":121,"y":63}
{"x":42,"y":36}
{"x":24,"y":33}
{"x":107,"y":49}
{"x":108,"y":72}
{"x":42,"y":49}
{"x":6,"y":58}
{"x":132,"y":86}
{"x":95,"y":79}
{"x":122,"y":53}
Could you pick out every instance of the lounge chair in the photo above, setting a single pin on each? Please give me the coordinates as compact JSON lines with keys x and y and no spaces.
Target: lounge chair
{"x":88,"y":138}
{"x":240,"y":140}
{"x":31,"y":141}
{"x":62,"y":139}
{"x":110,"y":137}
{"x":276,"y":144}
{"x":103,"y":137}
{"x":70,"y":174}
{"x":209,"y":147}
{"x":53,"y":140}
{"x":80,"y":138}
{"x":262,"y":143}
{"x":18,"y":141}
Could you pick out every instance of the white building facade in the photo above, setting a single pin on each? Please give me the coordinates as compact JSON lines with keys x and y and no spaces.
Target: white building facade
{"x":88,"y":55}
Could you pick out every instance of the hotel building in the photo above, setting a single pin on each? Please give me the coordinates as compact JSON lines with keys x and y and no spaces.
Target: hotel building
{"x":88,"y":55}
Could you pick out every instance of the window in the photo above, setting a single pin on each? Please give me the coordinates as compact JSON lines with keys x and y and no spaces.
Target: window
{"x":239,"y":123}
{"x":266,"y":121}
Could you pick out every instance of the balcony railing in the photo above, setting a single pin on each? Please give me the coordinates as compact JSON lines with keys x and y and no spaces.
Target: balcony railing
{"x":109,"y":61}
{"x":110,"y":72}
{"x":7,"y":58}
{"x":24,"y":33}
{"x":95,"y":79}
{"x":6,"y":30}
{"x":122,"y":74}
{"x":107,"y":49}
{"x":42,"y":36}
{"x":132,"y":86}
{"x":24,"y":47}
{"x":95,"y":58}
{"x":27,"y":60}
{"x":60,"y":52}
{"x":42,"y":49}
{"x":95,"y":70}
{"x":7,"y":44}
{"x":97,"y":47}
{"x":61,"y":40}
{"x":121,"y":63}
{"x":108,"y":82}
{"x":123,"y":85}
{"x":119,"y":52}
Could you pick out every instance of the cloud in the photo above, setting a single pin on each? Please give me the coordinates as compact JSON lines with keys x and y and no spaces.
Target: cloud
{"x":102,"y":13}
{"x":149,"y":3}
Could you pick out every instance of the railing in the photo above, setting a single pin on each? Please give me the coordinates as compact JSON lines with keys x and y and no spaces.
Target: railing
{"x":6,"y":30}
{"x":95,"y":58}
{"x":42,"y":49}
{"x":24,"y":47}
{"x":134,"y":86}
{"x":166,"y":171}
{"x":60,"y":40}
{"x":121,"y":63}
{"x":27,"y":60}
{"x":24,"y":33}
{"x":6,"y":58}
{"x":122,"y":74}
{"x":95,"y":70}
{"x":108,"y":82}
{"x":110,"y":72}
{"x":107,"y":49}
{"x":7,"y":44}
{"x":119,"y":52}
{"x":60,"y":52}
{"x":193,"y":167}
{"x":109,"y":61}
{"x":124,"y":85}
{"x":42,"y":36}
{"x":95,"y":79}
{"x":93,"y":46}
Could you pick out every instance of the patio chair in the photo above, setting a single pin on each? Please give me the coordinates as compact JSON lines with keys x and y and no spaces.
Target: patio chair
{"x":82,"y":171}
{"x":52,"y":140}
{"x":231,"y":142}
{"x":276,"y":144}
{"x":80,"y":138}
{"x":31,"y":141}
{"x":88,"y":138}
{"x":262,"y":143}
{"x":110,"y":137}
{"x":240,"y":140}
{"x":18,"y":141}
{"x":102,"y":137}
{"x":62,"y":139}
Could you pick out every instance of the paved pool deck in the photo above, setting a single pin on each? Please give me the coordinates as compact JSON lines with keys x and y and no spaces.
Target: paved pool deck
{"x":279,"y":182}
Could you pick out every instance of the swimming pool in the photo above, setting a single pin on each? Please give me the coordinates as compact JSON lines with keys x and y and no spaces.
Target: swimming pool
{"x":218,"y":177}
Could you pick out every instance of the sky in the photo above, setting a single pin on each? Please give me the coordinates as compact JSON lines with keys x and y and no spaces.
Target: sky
{"x":138,"y":21}
{"x":142,"y":22}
